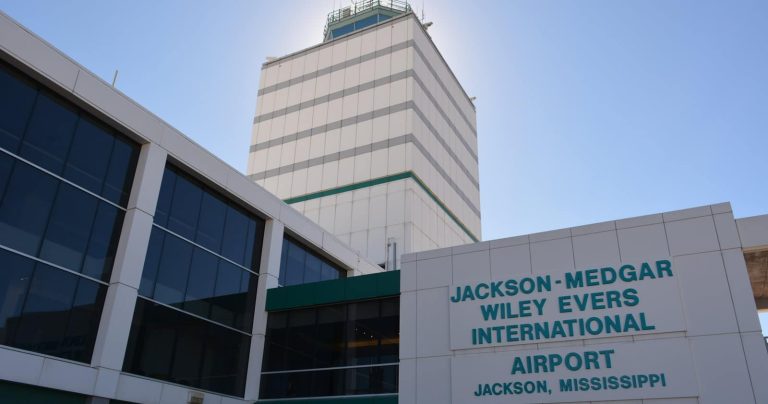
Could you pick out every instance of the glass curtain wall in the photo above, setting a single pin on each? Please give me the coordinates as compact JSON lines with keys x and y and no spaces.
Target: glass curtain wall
{"x":299,"y":264}
{"x":194,"y":316}
{"x":335,"y":350}
{"x":65,"y":177}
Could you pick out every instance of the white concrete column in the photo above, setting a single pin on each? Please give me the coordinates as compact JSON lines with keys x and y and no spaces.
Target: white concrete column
{"x":269,"y":271}
{"x":117,"y":315}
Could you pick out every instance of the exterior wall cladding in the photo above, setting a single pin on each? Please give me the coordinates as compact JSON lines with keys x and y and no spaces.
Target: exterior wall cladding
{"x":371,"y":136}
{"x":79,"y":305}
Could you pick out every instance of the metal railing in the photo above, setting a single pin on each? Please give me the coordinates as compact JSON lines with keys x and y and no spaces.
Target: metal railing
{"x":362,"y":6}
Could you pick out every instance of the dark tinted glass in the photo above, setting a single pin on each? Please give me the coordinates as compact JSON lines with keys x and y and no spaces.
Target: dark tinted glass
{"x":194,"y":211}
{"x":192,"y":279}
{"x":301,"y":339}
{"x":389,"y":328}
{"x":16,"y":101}
{"x":83,"y":321}
{"x":69,"y":227}
{"x":49,"y":132}
{"x":103,"y":243}
{"x":25,"y":208}
{"x":185,"y":208}
{"x":300,"y":265}
{"x":198,"y":280}
{"x":15,"y":276}
{"x":331,"y":322}
{"x":57,"y":222}
{"x":312,"y":268}
{"x":173,"y":271}
{"x":117,"y":183}
{"x":335,"y":382}
{"x":152,"y":263}
{"x":173,"y":346}
{"x":89,"y":155}
{"x":363,"y":334}
{"x":236,"y":236}
{"x":202,"y":280}
{"x":58,"y":136}
{"x":6,"y":164}
{"x":227,"y":301}
{"x":294,"y":270}
{"x":351,"y":334}
{"x":44,"y":319}
{"x":166,"y":195}
{"x":211,"y":225}
{"x":47,"y":310}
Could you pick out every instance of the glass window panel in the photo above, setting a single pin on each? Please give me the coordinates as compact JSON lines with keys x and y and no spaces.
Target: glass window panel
{"x":16,"y":102}
{"x":330,"y":335}
{"x":103,"y":244}
{"x":236,"y":236}
{"x":46,"y":310}
{"x":173,"y":271}
{"x":152,"y":339}
{"x":202,"y":279}
{"x":365,"y":22}
{"x":389,"y":326}
{"x":117,"y":183}
{"x":328,"y":272}
{"x":166,"y":196}
{"x":389,"y":378}
{"x":188,"y":355}
{"x":362,"y":332}
{"x":89,"y":155}
{"x":312,"y":268}
{"x":274,"y":345}
{"x":228,"y":302}
{"x":328,"y":382}
{"x":283,"y":264}
{"x":25,"y":208}
{"x":294,"y":337}
{"x":248,"y":285}
{"x":299,"y":384}
{"x":225,"y":361}
{"x":66,"y":237}
{"x":300,"y":265}
{"x":211,"y":224}
{"x":253,"y":245}
{"x":273,"y":386}
{"x":14,"y":281}
{"x":185,"y":208}
{"x":83,"y":321}
{"x":6,"y":167}
{"x":152,"y":262}
{"x":301,"y":339}
{"x":49,"y":133}
{"x":294,"y":271}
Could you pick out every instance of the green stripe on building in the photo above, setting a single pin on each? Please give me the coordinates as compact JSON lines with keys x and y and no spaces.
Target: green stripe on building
{"x":25,"y":394}
{"x":384,"y":180}
{"x":361,"y":287}
{"x":383,"y":399}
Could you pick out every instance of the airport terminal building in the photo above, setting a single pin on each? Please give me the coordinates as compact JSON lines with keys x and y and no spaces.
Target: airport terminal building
{"x":136,"y":267}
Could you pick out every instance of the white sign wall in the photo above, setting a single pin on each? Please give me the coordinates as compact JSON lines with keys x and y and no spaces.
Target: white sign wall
{"x":655,"y":307}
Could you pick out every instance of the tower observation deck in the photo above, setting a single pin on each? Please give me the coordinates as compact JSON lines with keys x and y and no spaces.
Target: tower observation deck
{"x":361,"y":14}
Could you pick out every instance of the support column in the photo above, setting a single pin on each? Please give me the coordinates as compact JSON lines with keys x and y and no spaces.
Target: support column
{"x":269,"y":271}
{"x":117,"y":314}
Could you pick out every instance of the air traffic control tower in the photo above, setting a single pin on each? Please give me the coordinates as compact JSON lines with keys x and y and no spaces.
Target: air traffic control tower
{"x":370,"y":134}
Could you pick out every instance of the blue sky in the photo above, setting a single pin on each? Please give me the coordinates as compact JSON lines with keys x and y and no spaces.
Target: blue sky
{"x":587,"y":110}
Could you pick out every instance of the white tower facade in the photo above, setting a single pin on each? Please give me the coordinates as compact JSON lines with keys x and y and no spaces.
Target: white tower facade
{"x":371,"y":135}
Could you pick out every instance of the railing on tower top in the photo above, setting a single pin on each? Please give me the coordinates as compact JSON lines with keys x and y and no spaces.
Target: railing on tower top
{"x":365,"y":5}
